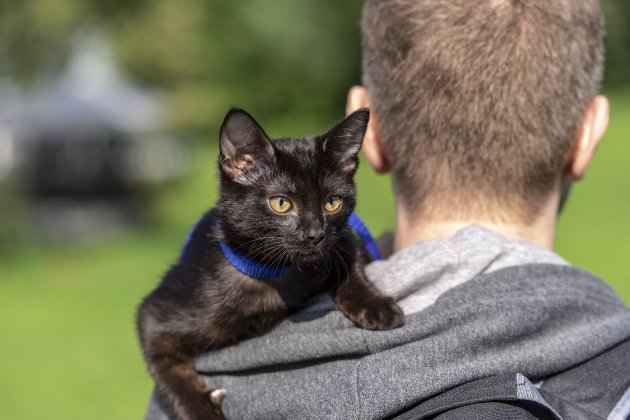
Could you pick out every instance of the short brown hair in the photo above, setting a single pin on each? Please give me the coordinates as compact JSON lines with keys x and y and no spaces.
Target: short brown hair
{"x":480,"y":98}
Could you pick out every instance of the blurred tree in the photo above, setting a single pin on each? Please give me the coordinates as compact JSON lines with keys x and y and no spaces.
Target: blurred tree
{"x":617,"y":42}
{"x":284,"y":59}
{"x":281,"y":58}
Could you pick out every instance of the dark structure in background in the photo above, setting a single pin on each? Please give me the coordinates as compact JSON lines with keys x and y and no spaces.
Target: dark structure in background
{"x":86,"y":145}
{"x":207,"y":56}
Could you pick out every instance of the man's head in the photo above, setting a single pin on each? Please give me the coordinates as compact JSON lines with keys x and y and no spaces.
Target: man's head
{"x":482,"y":104}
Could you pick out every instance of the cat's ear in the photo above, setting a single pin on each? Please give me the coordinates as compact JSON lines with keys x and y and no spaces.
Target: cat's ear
{"x":245,"y":148}
{"x":342,"y":142}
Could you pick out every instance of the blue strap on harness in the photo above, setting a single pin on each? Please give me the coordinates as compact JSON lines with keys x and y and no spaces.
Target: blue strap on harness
{"x":261,"y":271}
{"x":364,"y":234}
{"x":249,"y":267}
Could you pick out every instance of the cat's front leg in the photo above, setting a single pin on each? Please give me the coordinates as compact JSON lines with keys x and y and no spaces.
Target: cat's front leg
{"x":185,"y":393}
{"x":364,"y":305}
{"x":179,"y":383}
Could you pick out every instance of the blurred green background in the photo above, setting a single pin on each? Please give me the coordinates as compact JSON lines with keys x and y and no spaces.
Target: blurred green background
{"x":68,"y":348}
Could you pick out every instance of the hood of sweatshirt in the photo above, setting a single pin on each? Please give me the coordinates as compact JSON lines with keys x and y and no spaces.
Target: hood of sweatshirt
{"x":477,"y":305}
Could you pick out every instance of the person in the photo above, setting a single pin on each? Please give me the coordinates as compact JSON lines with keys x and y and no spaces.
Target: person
{"x":485,"y":111}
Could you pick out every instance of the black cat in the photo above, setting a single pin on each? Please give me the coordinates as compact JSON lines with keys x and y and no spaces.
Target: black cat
{"x":278,"y":236}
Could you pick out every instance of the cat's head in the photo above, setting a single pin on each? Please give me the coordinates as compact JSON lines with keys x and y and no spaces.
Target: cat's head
{"x":285,"y":201}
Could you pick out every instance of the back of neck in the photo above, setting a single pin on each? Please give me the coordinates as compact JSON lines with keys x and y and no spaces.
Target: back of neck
{"x":411,"y":228}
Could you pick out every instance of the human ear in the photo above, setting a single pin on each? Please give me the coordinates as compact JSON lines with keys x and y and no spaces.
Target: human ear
{"x":590,"y":132}
{"x":373,"y":149}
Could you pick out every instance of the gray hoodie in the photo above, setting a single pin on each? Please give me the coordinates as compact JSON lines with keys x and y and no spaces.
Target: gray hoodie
{"x":477,"y":305}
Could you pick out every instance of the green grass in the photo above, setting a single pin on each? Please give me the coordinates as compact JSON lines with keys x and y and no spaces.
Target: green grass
{"x":594,"y":229}
{"x":69,"y":350}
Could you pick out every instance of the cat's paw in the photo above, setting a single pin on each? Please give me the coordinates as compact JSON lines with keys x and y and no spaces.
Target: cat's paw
{"x":200,"y":406}
{"x":216,"y":398}
{"x":379,"y":313}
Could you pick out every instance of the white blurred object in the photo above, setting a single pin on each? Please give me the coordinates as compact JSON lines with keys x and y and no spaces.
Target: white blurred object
{"x":86,"y":141}
{"x":91,"y":101}
{"x":6,"y":152}
{"x":92,"y":76}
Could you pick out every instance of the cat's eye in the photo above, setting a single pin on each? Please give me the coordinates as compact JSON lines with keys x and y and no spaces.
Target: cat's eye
{"x":332,"y":204}
{"x":280,"y":204}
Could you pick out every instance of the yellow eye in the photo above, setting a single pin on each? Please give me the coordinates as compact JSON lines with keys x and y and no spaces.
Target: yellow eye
{"x":279,"y":204}
{"x":332,"y":204}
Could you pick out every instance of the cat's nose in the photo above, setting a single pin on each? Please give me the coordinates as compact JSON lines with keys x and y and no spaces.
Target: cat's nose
{"x":315,"y":237}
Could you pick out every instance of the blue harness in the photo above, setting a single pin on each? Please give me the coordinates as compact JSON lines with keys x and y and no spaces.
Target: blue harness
{"x":261,"y":271}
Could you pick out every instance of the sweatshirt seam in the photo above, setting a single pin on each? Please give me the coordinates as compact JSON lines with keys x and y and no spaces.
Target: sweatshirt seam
{"x":571,"y":403}
{"x":356,"y":391}
{"x":368,"y":351}
{"x":508,"y":296}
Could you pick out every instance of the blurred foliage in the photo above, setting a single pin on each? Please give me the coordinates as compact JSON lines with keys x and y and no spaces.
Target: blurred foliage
{"x":280,"y":59}
{"x":283,"y":58}
{"x":617,"y":43}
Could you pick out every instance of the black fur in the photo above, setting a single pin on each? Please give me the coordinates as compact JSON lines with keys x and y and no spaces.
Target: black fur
{"x":204,"y":303}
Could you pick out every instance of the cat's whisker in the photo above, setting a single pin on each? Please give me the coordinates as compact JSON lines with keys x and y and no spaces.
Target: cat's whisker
{"x":273,"y":259}
{"x":287,"y":258}
{"x":334,"y":260}
{"x":343,"y":262}
{"x":291,"y":259}
{"x":251,"y":243}
{"x":268,"y":249}
{"x":265,"y":239}
{"x":342,"y":246}
{"x":283,"y":260}
{"x":276,"y":262}
{"x":324,"y":259}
